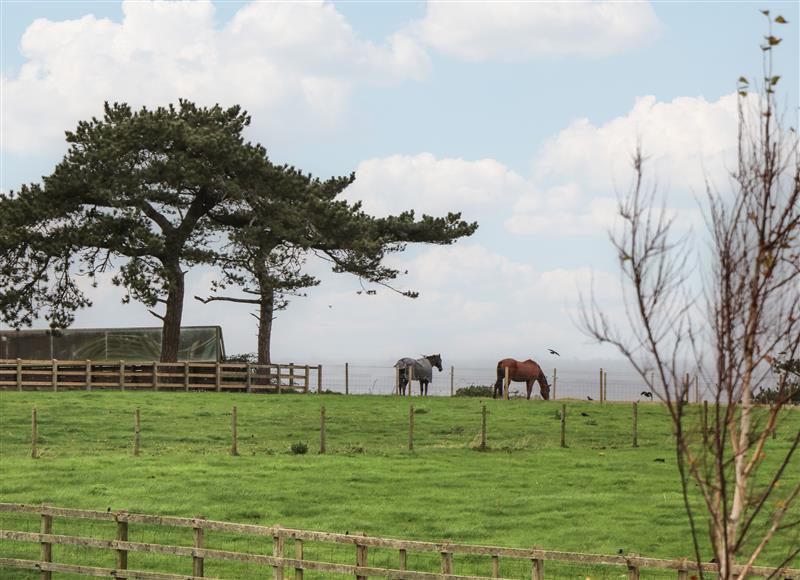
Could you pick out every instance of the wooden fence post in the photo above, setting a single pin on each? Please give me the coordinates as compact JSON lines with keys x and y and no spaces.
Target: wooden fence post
{"x":410,"y":376}
{"x":346,"y":378}
{"x":46,"y":550}
{"x":495,"y":566}
{"x":298,"y":555}
{"x":248,"y":379}
{"x":88,"y":376}
{"x":234,"y":447}
{"x":361,"y":559}
{"x":635,"y":427}
{"x":483,"y":426}
{"x":197,"y":561}
{"x":555,"y":382}
{"x":137,"y":429}
{"x":277,"y":552}
{"x":633,"y":572}
{"x":54,"y":377}
{"x":447,"y":562}
{"x":322,"y":429}
{"x":506,"y":384}
{"x":601,"y":385}
{"x":605,"y":386}
{"x":411,"y":428}
{"x":319,"y":379}
{"x":686,"y":386}
{"x":278,"y":387}
{"x":154,"y":378}
{"x":34,"y":434}
{"x":186,"y":376}
{"x":122,"y":536}
{"x":683,"y":572}
{"x":452,"y":380}
{"x":396,"y":380}
{"x":564,"y":425}
{"x":705,"y":424}
{"x":403,"y":559}
{"x":696,"y":390}
{"x":218,"y":377}
{"x":537,"y":569}
{"x":122,"y":375}
{"x":19,"y":374}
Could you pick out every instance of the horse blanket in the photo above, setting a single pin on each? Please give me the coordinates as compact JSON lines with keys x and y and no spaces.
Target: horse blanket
{"x":422,"y":368}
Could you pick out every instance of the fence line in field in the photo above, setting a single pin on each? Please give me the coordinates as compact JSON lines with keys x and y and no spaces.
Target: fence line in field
{"x":347,"y":378}
{"x":197,"y":554}
{"x":234,"y":450}
{"x":566,"y":382}
{"x":122,"y":375}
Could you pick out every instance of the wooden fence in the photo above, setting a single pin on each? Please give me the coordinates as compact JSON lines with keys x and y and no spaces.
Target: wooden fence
{"x":123,"y":375}
{"x":196,"y":554}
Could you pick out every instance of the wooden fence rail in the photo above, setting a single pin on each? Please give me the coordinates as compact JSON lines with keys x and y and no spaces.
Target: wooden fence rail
{"x":196,"y":554}
{"x":55,"y":375}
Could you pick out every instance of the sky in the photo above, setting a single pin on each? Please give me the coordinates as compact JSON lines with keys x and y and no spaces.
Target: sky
{"x":521,"y":115}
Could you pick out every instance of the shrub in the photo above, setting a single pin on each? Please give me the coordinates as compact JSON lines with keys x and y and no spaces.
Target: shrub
{"x":299,"y":448}
{"x":475,"y":391}
{"x":768,"y":396}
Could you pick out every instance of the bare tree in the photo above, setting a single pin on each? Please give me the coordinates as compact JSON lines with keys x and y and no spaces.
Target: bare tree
{"x":745,"y":313}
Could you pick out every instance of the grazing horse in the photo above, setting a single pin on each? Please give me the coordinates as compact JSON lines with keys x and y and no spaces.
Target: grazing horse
{"x":422,"y":371}
{"x":526,"y":372}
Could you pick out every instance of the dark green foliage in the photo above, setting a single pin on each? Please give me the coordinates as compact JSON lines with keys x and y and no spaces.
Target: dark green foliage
{"x":139,"y":188}
{"x":299,"y":448}
{"x":273,"y":229}
{"x":788,"y":388}
{"x":149,"y":194}
{"x":475,"y":391}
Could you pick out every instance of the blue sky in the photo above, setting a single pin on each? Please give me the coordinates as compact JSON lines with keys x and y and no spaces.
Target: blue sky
{"x":522,"y":115}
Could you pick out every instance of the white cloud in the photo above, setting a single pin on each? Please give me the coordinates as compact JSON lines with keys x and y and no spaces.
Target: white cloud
{"x":685,"y":141}
{"x":596,"y":217}
{"x":516,"y":31}
{"x":431,"y":185}
{"x":581,"y":170}
{"x":286,"y":63}
{"x":473,"y":303}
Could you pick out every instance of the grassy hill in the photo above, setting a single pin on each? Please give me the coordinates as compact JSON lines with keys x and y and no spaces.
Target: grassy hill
{"x":598,"y":495}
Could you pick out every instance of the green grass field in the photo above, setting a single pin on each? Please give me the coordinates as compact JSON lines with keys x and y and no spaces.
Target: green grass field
{"x":598,"y":495}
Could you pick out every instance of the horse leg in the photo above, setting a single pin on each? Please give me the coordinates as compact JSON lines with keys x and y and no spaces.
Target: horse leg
{"x":498,"y":385}
{"x":529,"y":387}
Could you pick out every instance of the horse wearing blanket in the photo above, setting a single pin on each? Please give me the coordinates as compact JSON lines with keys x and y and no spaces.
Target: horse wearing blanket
{"x":421,"y":370}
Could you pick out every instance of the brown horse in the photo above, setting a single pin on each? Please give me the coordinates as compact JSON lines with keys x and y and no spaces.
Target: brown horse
{"x":526,"y":372}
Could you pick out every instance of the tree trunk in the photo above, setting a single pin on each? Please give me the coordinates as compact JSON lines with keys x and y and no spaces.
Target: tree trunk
{"x":265,"y":312}
{"x":171,"y":330}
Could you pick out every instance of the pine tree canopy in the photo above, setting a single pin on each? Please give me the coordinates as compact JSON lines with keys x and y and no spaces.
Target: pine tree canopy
{"x":148,"y":194}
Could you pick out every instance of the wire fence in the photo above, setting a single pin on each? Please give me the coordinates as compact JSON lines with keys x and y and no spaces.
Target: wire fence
{"x":566,"y":382}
